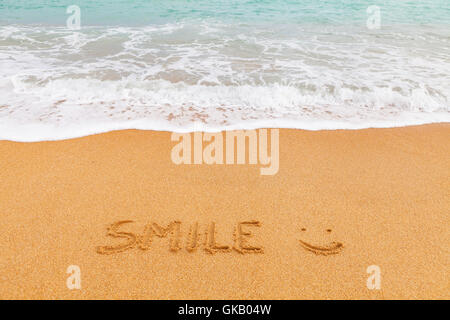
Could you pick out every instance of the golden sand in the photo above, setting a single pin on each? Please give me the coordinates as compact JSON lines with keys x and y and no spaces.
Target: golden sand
{"x":341,"y":201}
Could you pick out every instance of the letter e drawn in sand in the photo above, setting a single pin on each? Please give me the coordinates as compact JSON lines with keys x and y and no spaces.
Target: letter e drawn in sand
{"x":241,"y":238}
{"x":329,"y":249}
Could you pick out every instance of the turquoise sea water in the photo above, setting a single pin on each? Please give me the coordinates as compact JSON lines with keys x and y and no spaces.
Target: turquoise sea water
{"x":144,"y":12}
{"x":211,"y":65}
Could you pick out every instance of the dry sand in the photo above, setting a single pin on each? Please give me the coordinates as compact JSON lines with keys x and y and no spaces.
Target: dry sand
{"x":384,"y":194}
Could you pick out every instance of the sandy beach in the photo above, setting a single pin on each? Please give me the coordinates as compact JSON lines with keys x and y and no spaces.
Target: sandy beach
{"x":341,"y":201}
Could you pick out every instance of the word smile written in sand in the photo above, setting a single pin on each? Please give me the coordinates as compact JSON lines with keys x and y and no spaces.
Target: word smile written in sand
{"x":197,"y":237}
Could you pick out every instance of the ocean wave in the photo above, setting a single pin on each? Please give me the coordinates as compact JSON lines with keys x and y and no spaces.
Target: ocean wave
{"x":56,"y":83}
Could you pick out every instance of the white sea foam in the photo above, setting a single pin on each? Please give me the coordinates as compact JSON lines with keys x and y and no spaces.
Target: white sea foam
{"x":57,"y":84}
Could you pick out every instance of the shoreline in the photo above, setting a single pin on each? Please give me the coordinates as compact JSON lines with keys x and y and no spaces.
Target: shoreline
{"x":257,"y":126}
{"x":342,"y":201}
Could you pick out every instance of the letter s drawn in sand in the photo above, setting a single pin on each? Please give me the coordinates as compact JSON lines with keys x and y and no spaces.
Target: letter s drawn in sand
{"x":112,"y":231}
{"x":329,"y":249}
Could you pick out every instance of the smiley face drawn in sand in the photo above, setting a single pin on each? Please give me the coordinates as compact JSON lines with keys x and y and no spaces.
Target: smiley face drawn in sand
{"x":329,"y":249}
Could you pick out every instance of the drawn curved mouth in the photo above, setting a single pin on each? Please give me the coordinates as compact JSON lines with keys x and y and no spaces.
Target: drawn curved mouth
{"x":332,"y":248}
